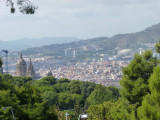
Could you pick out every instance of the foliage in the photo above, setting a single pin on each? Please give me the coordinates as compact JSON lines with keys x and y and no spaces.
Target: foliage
{"x":24,"y":98}
{"x":100,"y":112}
{"x":24,"y":6}
{"x":99,"y":95}
{"x":115,"y":92}
{"x":75,"y":87}
{"x":50,"y":80}
{"x":122,"y":110}
{"x":63,"y":80}
{"x":112,"y":110}
{"x":67,"y":101}
{"x":46,"y":98}
{"x":150,"y":109}
{"x":1,"y":62}
{"x":135,"y":77}
{"x":50,"y":98}
{"x":157,"y":46}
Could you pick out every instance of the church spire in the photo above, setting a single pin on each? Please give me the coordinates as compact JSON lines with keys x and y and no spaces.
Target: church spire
{"x":30,"y":71}
{"x":21,"y":66}
{"x":21,"y":55}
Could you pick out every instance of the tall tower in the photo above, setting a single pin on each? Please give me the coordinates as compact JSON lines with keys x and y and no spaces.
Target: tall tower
{"x":21,"y":67}
{"x":30,"y":71}
{"x":49,"y":72}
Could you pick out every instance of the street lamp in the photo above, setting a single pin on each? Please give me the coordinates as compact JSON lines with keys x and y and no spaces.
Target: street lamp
{"x":11,"y":112}
{"x":66,"y":115}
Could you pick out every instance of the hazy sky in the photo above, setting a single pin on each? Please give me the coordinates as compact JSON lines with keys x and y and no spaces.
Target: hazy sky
{"x":79,"y":18}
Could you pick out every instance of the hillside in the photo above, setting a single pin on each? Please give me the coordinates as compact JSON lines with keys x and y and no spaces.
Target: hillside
{"x":34,"y":42}
{"x":102,"y":44}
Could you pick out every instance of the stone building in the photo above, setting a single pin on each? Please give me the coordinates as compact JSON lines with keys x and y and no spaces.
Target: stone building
{"x":21,"y":67}
{"x":30,"y":70}
{"x":49,"y":72}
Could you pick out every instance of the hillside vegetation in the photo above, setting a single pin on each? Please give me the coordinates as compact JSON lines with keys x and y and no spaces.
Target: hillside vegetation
{"x":104,"y":44}
{"x":49,"y":98}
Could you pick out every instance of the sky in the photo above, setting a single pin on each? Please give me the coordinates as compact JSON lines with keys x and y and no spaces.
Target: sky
{"x":79,"y":18}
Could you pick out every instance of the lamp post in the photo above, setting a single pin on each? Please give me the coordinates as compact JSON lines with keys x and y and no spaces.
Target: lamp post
{"x":67,"y":115}
{"x":11,"y":112}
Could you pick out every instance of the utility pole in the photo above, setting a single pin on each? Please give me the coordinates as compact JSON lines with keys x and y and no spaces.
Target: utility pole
{"x":67,"y":116}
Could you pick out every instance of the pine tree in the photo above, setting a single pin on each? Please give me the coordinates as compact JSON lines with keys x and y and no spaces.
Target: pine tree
{"x":150,"y":109}
{"x":135,"y":77}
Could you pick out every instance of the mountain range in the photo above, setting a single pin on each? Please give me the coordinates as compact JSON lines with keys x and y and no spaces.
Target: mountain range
{"x":34,"y":42}
{"x":106,"y":44}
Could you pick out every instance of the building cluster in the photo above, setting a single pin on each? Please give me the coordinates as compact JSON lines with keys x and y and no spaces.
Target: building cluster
{"x":104,"y":69}
{"x":23,"y":70}
{"x":70,"y":52}
{"x":107,"y":73}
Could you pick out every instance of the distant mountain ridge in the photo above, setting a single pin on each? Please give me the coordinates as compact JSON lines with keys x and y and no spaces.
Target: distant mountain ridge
{"x":34,"y":42}
{"x":123,"y":41}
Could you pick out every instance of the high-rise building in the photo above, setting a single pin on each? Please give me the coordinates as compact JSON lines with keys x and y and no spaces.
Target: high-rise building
{"x":70,"y":53}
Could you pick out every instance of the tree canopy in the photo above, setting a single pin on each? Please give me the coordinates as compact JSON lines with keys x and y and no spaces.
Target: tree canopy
{"x":135,"y":77}
{"x":1,"y":62}
{"x":24,"y":6}
{"x":150,"y":109}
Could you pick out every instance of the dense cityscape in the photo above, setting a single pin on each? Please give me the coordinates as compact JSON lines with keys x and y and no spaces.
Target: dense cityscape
{"x":79,"y":60}
{"x":106,"y":70}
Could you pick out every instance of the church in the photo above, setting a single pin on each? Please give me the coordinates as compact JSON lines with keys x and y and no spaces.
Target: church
{"x":22,"y":70}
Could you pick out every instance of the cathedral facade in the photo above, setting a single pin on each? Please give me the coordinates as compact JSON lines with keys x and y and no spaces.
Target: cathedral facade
{"x":21,"y":68}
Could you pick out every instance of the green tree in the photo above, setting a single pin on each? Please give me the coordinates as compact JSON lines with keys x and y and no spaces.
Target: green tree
{"x":150,"y":109}
{"x":50,"y":98}
{"x":51,"y":80}
{"x":101,"y":111}
{"x":115,"y":92}
{"x":63,"y":80}
{"x":75,"y":87}
{"x":99,"y":95}
{"x":65,"y":101}
{"x":8,"y":99}
{"x":61,"y":87}
{"x":87,"y":88}
{"x":19,"y":81}
{"x":1,"y":62}
{"x":122,"y":110}
{"x":157,"y":47}
{"x":135,"y":77}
